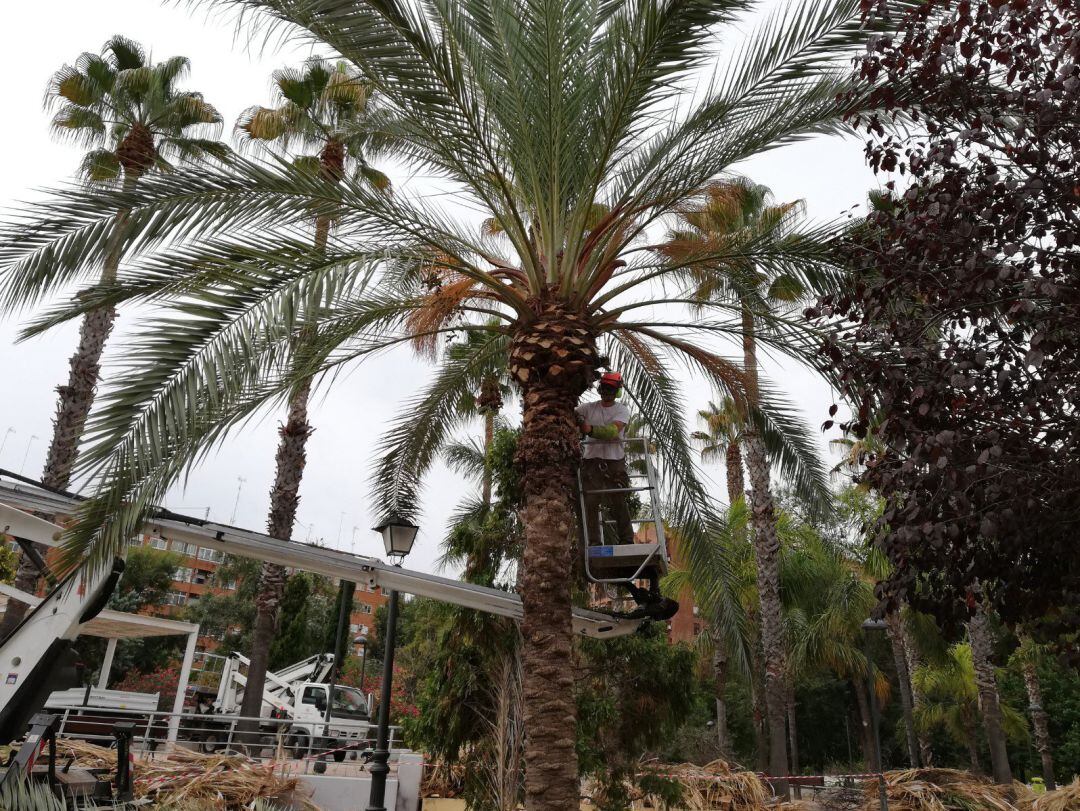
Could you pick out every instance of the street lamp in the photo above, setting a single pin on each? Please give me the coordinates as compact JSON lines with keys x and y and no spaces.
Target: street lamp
{"x":398,"y":536}
{"x":875,"y":719}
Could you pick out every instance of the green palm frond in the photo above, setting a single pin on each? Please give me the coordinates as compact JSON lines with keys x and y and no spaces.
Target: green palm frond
{"x":562,"y":124}
{"x":465,"y":458}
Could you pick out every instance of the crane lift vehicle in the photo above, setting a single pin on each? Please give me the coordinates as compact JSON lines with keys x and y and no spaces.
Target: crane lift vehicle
{"x":294,"y":705}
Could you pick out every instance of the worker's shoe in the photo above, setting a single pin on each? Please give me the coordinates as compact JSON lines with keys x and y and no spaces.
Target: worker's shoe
{"x":663,"y":608}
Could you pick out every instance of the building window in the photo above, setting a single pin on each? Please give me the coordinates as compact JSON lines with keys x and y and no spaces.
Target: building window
{"x":365,"y":608}
{"x":159,"y":543}
{"x":231,"y":585}
{"x":176,"y":598}
{"x":204,"y":553}
{"x":183,"y":574}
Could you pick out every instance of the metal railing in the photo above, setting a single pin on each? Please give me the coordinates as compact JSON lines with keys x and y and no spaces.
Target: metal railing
{"x":276,"y":739}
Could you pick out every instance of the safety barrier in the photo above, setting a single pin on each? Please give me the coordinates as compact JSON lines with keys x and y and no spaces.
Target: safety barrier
{"x":277,"y":739}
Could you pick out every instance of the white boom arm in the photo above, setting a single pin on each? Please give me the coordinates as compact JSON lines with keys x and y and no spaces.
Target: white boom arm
{"x":36,"y":653}
{"x":316,"y":559}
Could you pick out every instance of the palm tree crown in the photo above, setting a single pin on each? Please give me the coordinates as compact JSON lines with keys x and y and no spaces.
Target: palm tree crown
{"x":320,"y":115}
{"x":130,"y":113}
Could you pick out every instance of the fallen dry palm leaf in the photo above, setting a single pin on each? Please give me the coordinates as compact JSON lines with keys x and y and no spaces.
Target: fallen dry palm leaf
{"x":189,"y":779}
{"x":944,"y":790}
{"x":713,"y":786}
{"x":1066,"y":798}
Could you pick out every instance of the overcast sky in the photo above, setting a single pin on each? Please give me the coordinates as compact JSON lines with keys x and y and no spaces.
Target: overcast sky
{"x":37,"y":38}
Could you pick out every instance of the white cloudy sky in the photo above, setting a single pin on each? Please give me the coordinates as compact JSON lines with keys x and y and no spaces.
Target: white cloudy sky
{"x":38,"y":37}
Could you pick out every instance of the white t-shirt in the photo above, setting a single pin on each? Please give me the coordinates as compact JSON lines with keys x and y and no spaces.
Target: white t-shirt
{"x":596,"y":414}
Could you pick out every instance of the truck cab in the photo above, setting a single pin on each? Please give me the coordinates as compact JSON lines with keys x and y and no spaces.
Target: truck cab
{"x":350,"y":721}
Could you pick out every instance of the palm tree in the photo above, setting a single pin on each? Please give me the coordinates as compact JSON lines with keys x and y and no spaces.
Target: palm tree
{"x":131,"y":115}
{"x":489,"y":389}
{"x":720,"y":441}
{"x":990,"y":706}
{"x":532,"y":114}
{"x":952,"y":702}
{"x":321,"y":112}
{"x":732,"y":218}
{"x":1030,"y":655}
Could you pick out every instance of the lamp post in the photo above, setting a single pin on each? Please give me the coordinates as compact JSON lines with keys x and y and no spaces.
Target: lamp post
{"x":398,"y":536}
{"x":875,"y":719}
{"x":345,"y":599}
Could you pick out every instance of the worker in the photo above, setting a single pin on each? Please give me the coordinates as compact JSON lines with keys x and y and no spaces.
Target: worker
{"x":603,"y":462}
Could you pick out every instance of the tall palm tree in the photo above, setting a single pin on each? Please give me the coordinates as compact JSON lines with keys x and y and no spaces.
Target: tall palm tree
{"x":952,"y":702}
{"x":1030,"y":655}
{"x":532,"y":113}
{"x":319,"y":118}
{"x":990,"y":706}
{"x":732,"y":219}
{"x":135,"y":120}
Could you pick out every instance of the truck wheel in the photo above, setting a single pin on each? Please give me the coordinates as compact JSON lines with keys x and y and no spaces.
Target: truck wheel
{"x":339,"y":756}
{"x":298,"y":741}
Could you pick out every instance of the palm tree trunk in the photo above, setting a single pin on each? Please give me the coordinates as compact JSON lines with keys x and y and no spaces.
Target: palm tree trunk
{"x":989,"y":701}
{"x":896,"y":638}
{"x":911,"y":650}
{"x":284,"y":498}
{"x":972,"y":739}
{"x":552,"y":360}
{"x":866,"y":739}
{"x":721,"y":670}
{"x":793,"y":733}
{"x":1039,"y":721}
{"x":72,"y":408}
{"x":489,"y":438}
{"x":757,"y":697}
{"x":767,"y":557}
{"x":733,"y":464}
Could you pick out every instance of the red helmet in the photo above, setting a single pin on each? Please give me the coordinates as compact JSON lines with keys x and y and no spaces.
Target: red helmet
{"x":613,"y":379}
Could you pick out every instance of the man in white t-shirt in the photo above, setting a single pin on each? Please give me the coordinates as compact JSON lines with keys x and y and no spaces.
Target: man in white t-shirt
{"x":603,"y":463}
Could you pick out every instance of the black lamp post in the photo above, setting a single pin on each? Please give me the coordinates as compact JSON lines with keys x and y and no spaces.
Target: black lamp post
{"x":398,"y":536}
{"x":875,"y":718}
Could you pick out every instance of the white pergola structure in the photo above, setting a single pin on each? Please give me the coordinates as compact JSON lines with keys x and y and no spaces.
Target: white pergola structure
{"x":116,"y":625}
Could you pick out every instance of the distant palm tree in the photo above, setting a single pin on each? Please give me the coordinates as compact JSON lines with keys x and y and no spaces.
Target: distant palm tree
{"x":990,"y":704}
{"x":135,"y":120}
{"x":952,"y":702}
{"x":720,"y":440}
{"x":735,"y":219}
{"x":320,"y":120}
{"x":1030,"y":656}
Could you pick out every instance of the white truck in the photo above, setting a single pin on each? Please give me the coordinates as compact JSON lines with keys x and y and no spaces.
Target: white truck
{"x":294,"y":704}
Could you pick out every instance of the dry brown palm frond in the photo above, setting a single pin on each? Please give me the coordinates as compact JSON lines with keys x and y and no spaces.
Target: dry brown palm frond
{"x":183,"y":778}
{"x":1066,"y":798}
{"x":943,"y":790}
{"x":714,"y":785}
